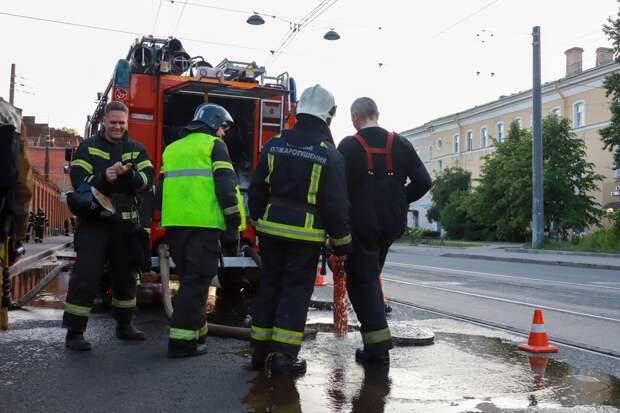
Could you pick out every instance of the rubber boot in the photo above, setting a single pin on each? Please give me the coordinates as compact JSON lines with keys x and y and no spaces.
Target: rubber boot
{"x":182,"y":348}
{"x":280,"y":363}
{"x":366,"y":358}
{"x":75,"y":341}
{"x":202,"y":339}
{"x":258,"y":359}
{"x":127,"y":331}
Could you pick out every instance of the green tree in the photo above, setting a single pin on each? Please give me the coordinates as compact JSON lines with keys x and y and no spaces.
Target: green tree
{"x":502,"y":201}
{"x":503,"y":198}
{"x":449,"y":182}
{"x":569,"y":178}
{"x":611,"y":134}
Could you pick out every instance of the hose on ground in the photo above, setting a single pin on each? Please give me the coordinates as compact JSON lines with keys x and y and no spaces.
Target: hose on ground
{"x":216,"y":330}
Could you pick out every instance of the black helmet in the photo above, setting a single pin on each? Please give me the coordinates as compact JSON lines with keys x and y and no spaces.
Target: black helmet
{"x":212,"y":115}
{"x":88,"y":202}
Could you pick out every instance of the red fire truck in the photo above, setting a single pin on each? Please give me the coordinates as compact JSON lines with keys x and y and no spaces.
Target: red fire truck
{"x":162,"y":85}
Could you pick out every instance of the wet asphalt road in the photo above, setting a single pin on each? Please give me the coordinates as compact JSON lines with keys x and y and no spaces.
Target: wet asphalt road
{"x":580,"y":306}
{"x":469,"y":368}
{"x":38,"y":375}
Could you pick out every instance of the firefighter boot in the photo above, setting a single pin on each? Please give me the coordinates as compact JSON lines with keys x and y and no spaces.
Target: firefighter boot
{"x":258,"y":359}
{"x":75,"y":341}
{"x":125,"y":330}
{"x":366,"y":358}
{"x":280,"y":363}
{"x":182,"y":348}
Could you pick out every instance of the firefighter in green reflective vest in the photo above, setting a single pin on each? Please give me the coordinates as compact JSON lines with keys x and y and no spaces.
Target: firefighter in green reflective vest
{"x":297,"y":197}
{"x":200,"y":200}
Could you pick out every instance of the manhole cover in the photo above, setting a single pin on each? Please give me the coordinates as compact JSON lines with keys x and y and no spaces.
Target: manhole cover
{"x":407,"y":335}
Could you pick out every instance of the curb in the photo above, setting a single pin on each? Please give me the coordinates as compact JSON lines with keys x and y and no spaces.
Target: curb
{"x":534,"y":261}
{"x":23,"y":264}
{"x":562,"y":252}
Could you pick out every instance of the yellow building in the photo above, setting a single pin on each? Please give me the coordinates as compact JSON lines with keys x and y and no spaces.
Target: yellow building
{"x":463,"y":139}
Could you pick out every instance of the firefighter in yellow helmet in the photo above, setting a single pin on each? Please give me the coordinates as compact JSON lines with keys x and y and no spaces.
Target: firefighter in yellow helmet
{"x":297,"y":197}
{"x":200,"y":202}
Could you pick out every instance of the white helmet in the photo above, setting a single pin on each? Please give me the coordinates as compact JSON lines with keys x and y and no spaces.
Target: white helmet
{"x":317,"y":101}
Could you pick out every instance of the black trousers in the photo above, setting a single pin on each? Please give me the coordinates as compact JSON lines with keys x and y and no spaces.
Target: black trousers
{"x":195,"y":252}
{"x":364,"y":267}
{"x":281,"y":304}
{"x":39,"y":231}
{"x":96,"y":242}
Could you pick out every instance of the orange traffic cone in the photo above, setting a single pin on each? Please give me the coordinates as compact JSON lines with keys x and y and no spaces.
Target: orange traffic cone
{"x":538,"y":341}
{"x":320,"y":278}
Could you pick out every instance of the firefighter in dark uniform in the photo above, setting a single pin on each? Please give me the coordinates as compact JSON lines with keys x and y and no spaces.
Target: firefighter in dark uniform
{"x":297,"y":197}
{"x":40,"y":222}
{"x":378,"y":164}
{"x":200,"y":203}
{"x":119,"y":168}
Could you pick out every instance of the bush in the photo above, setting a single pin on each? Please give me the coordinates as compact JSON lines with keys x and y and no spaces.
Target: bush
{"x":426,"y":233}
{"x":413,"y":235}
{"x":602,"y":240}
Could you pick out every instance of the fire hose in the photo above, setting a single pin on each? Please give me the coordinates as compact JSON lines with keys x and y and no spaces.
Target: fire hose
{"x":217,"y":330}
{"x":5,"y":286}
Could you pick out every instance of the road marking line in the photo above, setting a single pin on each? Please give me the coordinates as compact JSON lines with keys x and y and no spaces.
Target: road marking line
{"x":505,"y":300}
{"x":482,"y":323}
{"x":489,"y":274}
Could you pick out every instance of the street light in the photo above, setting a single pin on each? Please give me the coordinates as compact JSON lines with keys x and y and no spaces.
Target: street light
{"x":255,"y":20}
{"x":331,"y":35}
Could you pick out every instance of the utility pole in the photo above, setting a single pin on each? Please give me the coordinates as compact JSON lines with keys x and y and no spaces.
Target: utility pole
{"x":12,"y":85}
{"x":46,"y":167}
{"x":538,"y":221}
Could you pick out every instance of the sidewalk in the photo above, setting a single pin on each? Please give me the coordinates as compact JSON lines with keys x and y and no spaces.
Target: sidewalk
{"x":36,"y":252}
{"x":495,"y":252}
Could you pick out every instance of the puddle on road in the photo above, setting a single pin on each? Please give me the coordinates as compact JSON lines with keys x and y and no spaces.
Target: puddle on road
{"x":459,"y":373}
{"x":52,"y":296}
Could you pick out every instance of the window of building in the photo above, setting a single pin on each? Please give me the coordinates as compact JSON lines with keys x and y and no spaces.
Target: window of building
{"x":456,"y":143}
{"x":499,"y":131}
{"x":484,"y":135}
{"x":439,"y":144}
{"x":429,"y":152}
{"x":469,"y":144}
{"x":440,"y":165}
{"x":519,"y":121}
{"x":616,"y":173}
{"x":579,"y":114}
{"x":556,"y":111}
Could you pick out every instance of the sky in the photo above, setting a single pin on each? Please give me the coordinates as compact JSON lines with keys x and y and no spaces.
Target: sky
{"x":418,"y":59}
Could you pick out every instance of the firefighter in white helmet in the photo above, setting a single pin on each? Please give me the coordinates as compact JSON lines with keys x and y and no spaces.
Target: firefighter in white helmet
{"x":297,"y":198}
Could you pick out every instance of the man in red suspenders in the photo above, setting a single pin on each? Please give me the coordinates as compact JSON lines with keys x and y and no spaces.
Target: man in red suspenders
{"x":378,"y":164}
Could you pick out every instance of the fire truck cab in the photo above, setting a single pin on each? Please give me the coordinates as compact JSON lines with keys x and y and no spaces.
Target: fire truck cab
{"x":162,"y":85}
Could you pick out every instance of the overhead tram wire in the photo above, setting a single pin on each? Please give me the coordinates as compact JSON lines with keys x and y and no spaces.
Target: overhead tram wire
{"x":453,"y":25}
{"x":156,"y":17}
{"x":179,"y":19}
{"x":132,"y":33}
{"x":228,"y":9}
{"x":321,"y":8}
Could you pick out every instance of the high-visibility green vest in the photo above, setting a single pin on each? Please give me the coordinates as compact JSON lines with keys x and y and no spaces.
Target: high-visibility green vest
{"x":189,"y":198}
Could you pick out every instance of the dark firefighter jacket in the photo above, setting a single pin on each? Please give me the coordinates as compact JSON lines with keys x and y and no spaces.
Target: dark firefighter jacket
{"x":96,"y":154}
{"x":373,"y":204}
{"x":298,"y":189}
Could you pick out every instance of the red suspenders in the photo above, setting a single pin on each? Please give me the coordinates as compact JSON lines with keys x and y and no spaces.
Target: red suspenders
{"x":387,"y":151}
